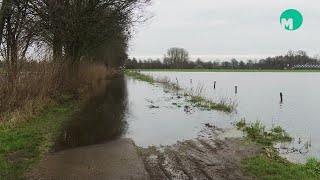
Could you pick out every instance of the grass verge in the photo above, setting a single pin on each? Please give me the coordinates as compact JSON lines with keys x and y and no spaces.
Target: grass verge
{"x":139,"y":76}
{"x":276,"y":168}
{"x":24,"y":144}
{"x":269,"y":164}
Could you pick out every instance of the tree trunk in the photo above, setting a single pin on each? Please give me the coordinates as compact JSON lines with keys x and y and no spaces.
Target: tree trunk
{"x":57,"y":47}
{"x":3,"y":15}
{"x":73,"y":52}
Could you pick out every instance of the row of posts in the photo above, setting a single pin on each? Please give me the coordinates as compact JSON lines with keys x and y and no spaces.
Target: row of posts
{"x":236,"y":90}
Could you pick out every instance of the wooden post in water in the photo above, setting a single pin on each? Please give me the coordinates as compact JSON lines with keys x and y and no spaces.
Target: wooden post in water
{"x":214,"y":85}
{"x":236,"y":89}
{"x":281,"y":97}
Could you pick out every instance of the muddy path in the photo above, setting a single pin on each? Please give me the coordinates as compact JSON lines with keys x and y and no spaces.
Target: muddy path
{"x":113,"y":160}
{"x":201,"y":158}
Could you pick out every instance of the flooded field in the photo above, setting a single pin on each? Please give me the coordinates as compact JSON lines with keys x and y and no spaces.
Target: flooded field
{"x":156,"y":116}
{"x":258,"y":98}
{"x":152,"y":114}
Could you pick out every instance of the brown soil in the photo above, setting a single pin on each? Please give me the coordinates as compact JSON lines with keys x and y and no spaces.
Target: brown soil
{"x":199,"y":159}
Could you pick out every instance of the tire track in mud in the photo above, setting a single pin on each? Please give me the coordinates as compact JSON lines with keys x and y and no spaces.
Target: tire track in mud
{"x":198,"y":159}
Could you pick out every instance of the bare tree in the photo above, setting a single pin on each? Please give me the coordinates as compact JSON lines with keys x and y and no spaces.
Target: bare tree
{"x":17,"y":34}
{"x":176,"y":57}
{"x":3,"y":16}
{"x":80,"y":27}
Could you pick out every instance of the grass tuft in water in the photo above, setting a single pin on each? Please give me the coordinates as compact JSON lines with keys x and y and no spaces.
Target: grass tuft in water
{"x":207,"y":104}
{"x":258,"y":133}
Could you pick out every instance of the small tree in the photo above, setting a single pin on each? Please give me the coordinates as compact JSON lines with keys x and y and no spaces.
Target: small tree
{"x":234,"y":63}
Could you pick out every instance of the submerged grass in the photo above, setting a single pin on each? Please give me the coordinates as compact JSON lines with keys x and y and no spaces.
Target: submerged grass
{"x":196,"y":100}
{"x":207,"y":104}
{"x":269,"y":164}
{"x":23,"y":145}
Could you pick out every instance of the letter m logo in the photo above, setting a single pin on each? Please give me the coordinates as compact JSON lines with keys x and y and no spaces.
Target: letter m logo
{"x":287,"y":23}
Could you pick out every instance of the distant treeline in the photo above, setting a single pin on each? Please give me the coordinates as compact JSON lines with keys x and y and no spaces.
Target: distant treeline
{"x":177,"y":58}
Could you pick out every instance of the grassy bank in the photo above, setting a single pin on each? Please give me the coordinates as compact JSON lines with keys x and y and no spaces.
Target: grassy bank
{"x":196,"y":100}
{"x":269,"y":164}
{"x":22,"y":145}
{"x":228,"y":70}
{"x":140,"y":76}
{"x":276,"y":168}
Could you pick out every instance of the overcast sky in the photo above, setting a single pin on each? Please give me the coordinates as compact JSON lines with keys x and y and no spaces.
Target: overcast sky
{"x":224,"y":29}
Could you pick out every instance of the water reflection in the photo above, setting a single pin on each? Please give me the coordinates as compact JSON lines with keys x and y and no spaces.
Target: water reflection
{"x":101,"y":119}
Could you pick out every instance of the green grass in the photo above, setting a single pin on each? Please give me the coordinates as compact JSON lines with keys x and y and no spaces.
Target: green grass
{"x":278,"y":169}
{"x":258,"y":133}
{"x":140,"y":76}
{"x":268,"y":164}
{"x":23,"y":145}
{"x":207,"y":104}
{"x":229,"y":70}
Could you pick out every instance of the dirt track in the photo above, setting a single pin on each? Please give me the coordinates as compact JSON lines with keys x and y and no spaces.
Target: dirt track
{"x":210,"y":156}
{"x":198,"y":159}
{"x":114,"y":160}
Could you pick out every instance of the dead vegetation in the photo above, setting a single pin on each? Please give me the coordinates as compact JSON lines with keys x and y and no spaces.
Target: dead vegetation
{"x":52,"y":49}
{"x":46,"y":82}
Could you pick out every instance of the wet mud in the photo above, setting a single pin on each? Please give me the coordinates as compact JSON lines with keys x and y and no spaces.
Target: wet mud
{"x":201,"y":158}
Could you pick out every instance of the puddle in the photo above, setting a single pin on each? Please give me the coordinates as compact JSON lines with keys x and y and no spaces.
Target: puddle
{"x":101,"y":119}
{"x":231,"y":133}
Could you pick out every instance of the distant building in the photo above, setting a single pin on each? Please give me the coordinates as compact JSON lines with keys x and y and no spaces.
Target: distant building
{"x":307,"y":66}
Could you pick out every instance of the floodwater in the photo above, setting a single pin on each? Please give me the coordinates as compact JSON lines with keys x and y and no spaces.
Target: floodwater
{"x":258,"y":98}
{"x":148,"y":114}
{"x":154,"y":115}
{"x":101,"y":119}
{"x":167,"y":122}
